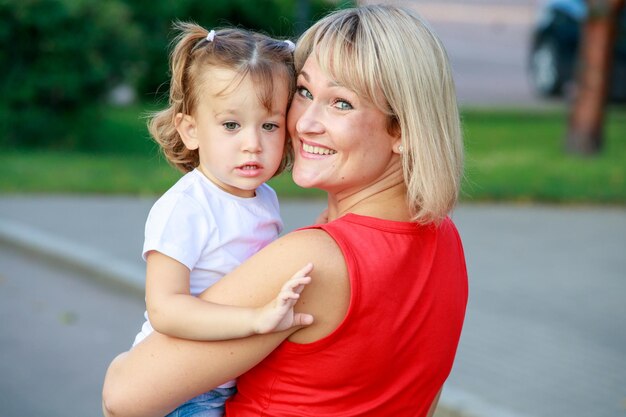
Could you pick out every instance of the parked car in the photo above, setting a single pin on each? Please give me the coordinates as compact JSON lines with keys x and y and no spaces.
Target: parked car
{"x":554,"y":49}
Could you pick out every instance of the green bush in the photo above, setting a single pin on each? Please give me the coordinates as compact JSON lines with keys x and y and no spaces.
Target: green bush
{"x":61,"y":57}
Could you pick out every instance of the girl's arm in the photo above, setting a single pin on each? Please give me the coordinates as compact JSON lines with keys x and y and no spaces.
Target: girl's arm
{"x":162,"y":372}
{"x":175,"y":312}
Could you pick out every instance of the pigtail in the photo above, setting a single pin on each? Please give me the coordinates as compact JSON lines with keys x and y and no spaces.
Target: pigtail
{"x":162,"y":124}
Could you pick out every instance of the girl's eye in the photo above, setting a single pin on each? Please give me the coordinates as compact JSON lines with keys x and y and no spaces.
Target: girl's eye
{"x":230,"y":125}
{"x":270,"y":127}
{"x":343,"y":105}
{"x":304,"y":92}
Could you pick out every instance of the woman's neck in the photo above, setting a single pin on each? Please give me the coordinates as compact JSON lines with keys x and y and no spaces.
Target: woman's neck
{"x":385,"y":199}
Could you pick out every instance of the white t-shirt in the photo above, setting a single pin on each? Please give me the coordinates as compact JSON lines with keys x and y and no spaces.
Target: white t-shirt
{"x":209,"y":230}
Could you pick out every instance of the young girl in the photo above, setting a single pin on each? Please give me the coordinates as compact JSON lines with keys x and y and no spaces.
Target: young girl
{"x":225,"y":128}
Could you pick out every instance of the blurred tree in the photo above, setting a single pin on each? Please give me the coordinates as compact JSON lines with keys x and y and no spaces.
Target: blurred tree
{"x":279,"y":18}
{"x":59,"y":59}
{"x":585,"y":130}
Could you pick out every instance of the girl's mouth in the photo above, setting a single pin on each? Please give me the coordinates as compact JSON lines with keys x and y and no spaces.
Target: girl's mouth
{"x":249,"y":167}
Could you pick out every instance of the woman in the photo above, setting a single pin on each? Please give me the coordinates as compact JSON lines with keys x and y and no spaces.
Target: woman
{"x":374,"y":123}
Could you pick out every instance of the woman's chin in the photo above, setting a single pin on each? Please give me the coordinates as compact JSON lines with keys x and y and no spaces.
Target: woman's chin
{"x":304,"y":180}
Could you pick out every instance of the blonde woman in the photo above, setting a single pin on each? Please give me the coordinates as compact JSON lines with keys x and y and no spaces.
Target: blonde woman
{"x":374,"y":123}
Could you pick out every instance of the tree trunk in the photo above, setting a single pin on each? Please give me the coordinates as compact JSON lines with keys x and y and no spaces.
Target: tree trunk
{"x":585,"y":130}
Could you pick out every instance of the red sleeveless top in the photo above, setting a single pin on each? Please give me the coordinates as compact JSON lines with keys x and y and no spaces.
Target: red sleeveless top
{"x":395,"y":347}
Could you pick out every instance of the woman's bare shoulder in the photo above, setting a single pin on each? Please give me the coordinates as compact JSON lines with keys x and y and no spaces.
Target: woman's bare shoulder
{"x":312,"y":242}
{"x":328,"y":296}
{"x":259,"y":279}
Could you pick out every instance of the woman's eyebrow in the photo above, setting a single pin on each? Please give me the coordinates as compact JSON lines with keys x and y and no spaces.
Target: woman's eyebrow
{"x":305,"y":75}
{"x":308,"y":79}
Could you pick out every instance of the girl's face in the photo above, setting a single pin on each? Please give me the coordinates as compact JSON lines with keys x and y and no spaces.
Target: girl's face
{"x":340,"y":140}
{"x":240,"y":142}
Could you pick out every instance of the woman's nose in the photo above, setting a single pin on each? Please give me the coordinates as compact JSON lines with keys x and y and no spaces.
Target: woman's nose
{"x":309,"y":121}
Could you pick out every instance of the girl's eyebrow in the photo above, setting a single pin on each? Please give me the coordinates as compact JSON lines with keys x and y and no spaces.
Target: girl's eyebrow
{"x":226,"y":112}
{"x":233,"y":112}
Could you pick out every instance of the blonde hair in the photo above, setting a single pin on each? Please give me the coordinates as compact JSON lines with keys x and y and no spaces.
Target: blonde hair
{"x":389,"y":56}
{"x":247,"y":53}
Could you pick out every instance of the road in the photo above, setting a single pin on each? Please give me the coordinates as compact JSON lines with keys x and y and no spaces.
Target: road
{"x":487,"y":42}
{"x":543,"y":336}
{"x":59,"y":332}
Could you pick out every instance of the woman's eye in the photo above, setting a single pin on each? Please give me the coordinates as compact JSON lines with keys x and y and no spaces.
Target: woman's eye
{"x":304,"y":93}
{"x":230,"y":125}
{"x":269,"y":126}
{"x":343,"y":105}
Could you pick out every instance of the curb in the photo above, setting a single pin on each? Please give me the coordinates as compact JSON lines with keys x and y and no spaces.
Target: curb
{"x":85,"y":259}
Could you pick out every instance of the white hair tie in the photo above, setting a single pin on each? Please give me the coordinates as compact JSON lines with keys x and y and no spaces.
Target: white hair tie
{"x":210,"y":36}
{"x":290,"y":45}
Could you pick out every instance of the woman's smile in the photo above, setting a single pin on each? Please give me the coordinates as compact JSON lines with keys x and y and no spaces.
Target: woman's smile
{"x":311,"y":149}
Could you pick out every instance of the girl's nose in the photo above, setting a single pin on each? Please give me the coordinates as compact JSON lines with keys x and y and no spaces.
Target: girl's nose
{"x":252,"y":142}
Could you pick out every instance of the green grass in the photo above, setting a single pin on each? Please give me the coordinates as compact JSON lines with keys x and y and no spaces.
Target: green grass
{"x":515,"y":155}
{"x":512,"y":155}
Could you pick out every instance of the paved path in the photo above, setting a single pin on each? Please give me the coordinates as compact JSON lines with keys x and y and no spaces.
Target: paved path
{"x":544,"y":337}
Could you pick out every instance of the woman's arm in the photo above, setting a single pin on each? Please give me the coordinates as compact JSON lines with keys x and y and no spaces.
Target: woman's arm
{"x":162,"y":372}
{"x":173,"y":311}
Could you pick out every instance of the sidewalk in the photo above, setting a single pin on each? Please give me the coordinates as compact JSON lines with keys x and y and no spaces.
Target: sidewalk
{"x":544,"y":335}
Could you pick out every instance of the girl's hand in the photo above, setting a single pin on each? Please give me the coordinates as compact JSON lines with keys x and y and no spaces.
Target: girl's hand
{"x":278,"y":314}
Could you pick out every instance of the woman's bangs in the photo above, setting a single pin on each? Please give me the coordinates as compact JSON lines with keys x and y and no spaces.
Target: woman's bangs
{"x":350,"y":63}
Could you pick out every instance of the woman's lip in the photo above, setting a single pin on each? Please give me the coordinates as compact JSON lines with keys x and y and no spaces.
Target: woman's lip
{"x":315,"y":149}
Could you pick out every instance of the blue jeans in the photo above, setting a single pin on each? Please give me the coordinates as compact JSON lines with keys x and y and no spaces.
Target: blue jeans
{"x":209,"y":404}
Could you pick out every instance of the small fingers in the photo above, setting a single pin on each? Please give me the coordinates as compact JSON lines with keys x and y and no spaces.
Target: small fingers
{"x":302,"y":319}
{"x":293,"y":287}
{"x":285,"y":296}
{"x":296,"y":284}
{"x":304,"y":270}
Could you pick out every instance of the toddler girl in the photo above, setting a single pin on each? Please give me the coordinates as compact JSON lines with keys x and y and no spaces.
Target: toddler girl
{"x":225,"y":129}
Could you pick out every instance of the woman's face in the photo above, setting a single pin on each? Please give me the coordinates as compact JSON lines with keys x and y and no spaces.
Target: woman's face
{"x":340,"y":140}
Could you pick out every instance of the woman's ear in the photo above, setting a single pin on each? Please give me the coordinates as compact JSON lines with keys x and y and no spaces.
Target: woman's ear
{"x":395,"y":134}
{"x":397,"y":146}
{"x":186,"y":127}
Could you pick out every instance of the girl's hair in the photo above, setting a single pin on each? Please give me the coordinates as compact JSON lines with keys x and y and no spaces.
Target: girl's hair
{"x":389,"y":56}
{"x":245,"y":52}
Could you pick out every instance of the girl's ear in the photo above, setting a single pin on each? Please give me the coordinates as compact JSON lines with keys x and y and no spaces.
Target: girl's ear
{"x":186,"y":127}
